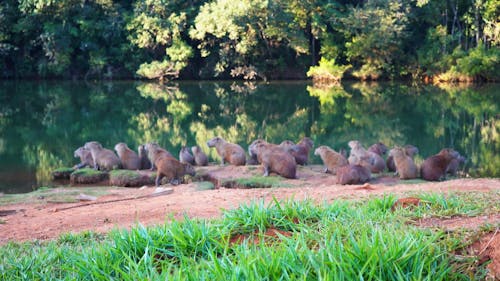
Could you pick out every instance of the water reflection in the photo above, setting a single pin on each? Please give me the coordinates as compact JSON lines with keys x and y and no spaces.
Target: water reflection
{"x":42,"y":123}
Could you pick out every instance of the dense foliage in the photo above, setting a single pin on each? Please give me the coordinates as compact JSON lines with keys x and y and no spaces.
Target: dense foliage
{"x":451,"y":40}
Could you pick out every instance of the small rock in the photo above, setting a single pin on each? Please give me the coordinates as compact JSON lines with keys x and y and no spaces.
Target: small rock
{"x":85,"y":197}
{"x":162,"y":191}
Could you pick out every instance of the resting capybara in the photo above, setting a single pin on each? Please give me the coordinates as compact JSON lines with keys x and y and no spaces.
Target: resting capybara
{"x":228,"y":152}
{"x":274,"y":159}
{"x":85,"y":158}
{"x":378,"y":148}
{"x":130,"y":160}
{"x":331,"y":159}
{"x":185,"y":156}
{"x":405,"y":166}
{"x":434,"y":168}
{"x":104,"y":159}
{"x":300,"y":150}
{"x":410,"y":150}
{"x":353,"y":174}
{"x":200,"y":158}
{"x":143,"y":155}
{"x":360,"y":156}
{"x":171,"y":168}
{"x":151,"y":149}
{"x":454,"y":165}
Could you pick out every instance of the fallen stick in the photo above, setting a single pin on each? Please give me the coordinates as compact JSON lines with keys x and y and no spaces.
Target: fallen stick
{"x":155,"y":193}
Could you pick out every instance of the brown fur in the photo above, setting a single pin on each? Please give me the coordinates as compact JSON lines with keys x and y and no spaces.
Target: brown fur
{"x":85,"y":158}
{"x":331,"y":159}
{"x":104,"y":159}
{"x":152,"y":148}
{"x":378,"y":148}
{"x":405,"y":166}
{"x":228,"y":152}
{"x":434,"y":168}
{"x":454,"y":165}
{"x":405,"y":203}
{"x":353,"y":174}
{"x":360,"y":156}
{"x":253,"y":160}
{"x":130,"y":160}
{"x":185,"y":156}
{"x":171,"y":168}
{"x":143,"y":155}
{"x":274,"y":159}
{"x":410,"y":150}
{"x":300,"y":150}
{"x":200,"y":158}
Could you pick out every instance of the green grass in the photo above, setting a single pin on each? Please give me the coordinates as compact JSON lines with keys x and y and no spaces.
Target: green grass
{"x":256,"y":182}
{"x":340,"y":240}
{"x":87,"y":172}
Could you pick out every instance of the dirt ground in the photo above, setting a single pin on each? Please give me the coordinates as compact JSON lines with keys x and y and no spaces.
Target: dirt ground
{"x":126,"y":207}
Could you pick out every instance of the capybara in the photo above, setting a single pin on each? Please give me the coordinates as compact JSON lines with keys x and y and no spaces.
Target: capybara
{"x":410,"y":150}
{"x":151,"y":149}
{"x":274,"y":159}
{"x":405,"y":166}
{"x":104,"y":159}
{"x":253,"y":160}
{"x":185,"y":156}
{"x":378,"y":148}
{"x":353,"y":174}
{"x":171,"y":168}
{"x":85,"y":158}
{"x":300,"y":150}
{"x":130,"y":160}
{"x":200,"y":158}
{"x":228,"y":152}
{"x":143,"y":155}
{"x":434,"y":168}
{"x":455,"y":163}
{"x":331,"y":159}
{"x":360,"y":156}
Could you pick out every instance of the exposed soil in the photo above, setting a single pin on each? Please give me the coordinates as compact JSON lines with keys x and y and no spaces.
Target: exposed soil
{"x":128,"y":207}
{"x":488,"y":249}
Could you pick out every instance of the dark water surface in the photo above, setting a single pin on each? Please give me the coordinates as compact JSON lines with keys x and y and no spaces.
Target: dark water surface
{"x":42,"y":123}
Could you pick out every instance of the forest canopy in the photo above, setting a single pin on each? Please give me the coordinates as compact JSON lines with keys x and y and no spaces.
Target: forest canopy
{"x":453,"y":40}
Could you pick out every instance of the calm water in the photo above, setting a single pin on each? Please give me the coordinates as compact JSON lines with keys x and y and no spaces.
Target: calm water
{"x":42,"y":123}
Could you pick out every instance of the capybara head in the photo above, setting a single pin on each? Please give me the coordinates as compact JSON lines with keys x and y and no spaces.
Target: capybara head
{"x":411,"y":150}
{"x":320,"y":150}
{"x":354,"y":144}
{"x":121,"y":146}
{"x":449,"y":153}
{"x":397,"y":152}
{"x":196,"y":149}
{"x":189,"y":169}
{"x":79,"y":152}
{"x":151,"y":146}
{"x":213,"y":142}
{"x":306,"y":142}
{"x":378,"y":148}
{"x":252,"y":150}
{"x":92,"y":145}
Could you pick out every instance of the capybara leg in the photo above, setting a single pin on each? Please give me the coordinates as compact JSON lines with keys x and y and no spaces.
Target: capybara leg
{"x":266,"y":171}
{"x":158,"y":180}
{"x":325,"y":170}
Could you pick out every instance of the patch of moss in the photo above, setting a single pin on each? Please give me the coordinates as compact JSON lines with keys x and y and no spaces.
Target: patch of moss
{"x":87,"y":176}
{"x":204,"y":185}
{"x":255,"y":182}
{"x":129,"y":178}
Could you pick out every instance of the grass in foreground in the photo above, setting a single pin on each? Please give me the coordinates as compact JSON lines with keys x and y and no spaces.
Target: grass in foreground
{"x":342,"y":240}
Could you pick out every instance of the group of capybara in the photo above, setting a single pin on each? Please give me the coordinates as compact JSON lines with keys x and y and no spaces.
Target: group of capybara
{"x":281,"y":159}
